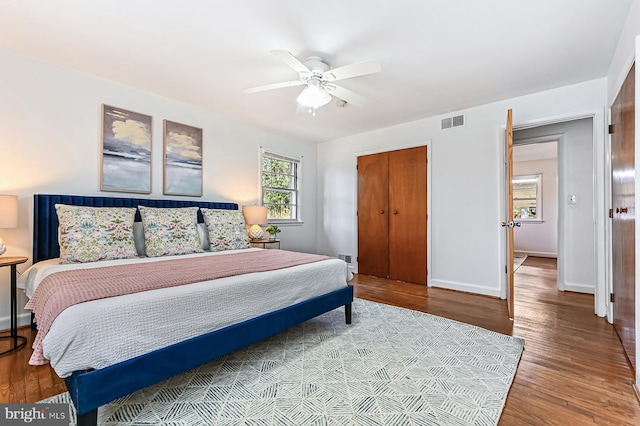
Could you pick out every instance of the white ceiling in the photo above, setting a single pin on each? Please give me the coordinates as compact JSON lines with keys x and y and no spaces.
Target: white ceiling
{"x":437,"y":56}
{"x":535,"y":151}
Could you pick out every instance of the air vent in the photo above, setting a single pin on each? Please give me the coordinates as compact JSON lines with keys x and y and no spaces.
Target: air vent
{"x":457,"y":121}
{"x":345,"y":257}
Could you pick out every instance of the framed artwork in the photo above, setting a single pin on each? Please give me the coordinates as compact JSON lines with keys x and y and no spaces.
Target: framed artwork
{"x":182,"y":159}
{"x":125,"y":163}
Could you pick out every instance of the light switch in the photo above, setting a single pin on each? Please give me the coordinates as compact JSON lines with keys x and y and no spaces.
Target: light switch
{"x":571,"y":200}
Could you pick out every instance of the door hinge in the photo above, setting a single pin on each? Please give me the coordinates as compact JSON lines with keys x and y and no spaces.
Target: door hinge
{"x":611,"y":213}
{"x":427,"y":217}
{"x":612,"y":298}
{"x":505,"y":269}
{"x":610,"y":128}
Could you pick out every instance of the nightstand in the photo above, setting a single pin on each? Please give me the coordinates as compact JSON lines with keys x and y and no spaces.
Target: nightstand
{"x":264,"y":243}
{"x":13,"y":262}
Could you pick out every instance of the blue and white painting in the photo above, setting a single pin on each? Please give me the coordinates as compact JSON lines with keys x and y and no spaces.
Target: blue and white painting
{"x":182,"y":159}
{"x":126,"y":151}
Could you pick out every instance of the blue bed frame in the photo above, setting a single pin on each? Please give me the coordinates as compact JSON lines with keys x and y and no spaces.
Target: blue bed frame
{"x":91,"y":389}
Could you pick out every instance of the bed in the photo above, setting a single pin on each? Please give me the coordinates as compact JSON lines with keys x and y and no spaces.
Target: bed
{"x":185,"y":347}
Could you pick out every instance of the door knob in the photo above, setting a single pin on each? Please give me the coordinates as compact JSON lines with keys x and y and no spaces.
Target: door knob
{"x":381,"y":211}
{"x":510,"y":224}
{"x":623,"y":210}
{"x":395,"y":212}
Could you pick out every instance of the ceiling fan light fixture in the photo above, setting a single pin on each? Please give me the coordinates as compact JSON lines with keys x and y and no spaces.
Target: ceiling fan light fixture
{"x":314,"y":96}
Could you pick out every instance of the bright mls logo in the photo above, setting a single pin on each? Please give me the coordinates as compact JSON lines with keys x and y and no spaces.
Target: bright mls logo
{"x":34,"y":414}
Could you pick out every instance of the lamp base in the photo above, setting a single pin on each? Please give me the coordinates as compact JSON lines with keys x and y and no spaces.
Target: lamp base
{"x":3,"y":246}
{"x":256,"y":232}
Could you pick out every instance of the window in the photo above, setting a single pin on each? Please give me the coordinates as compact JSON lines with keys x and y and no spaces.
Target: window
{"x":280,"y":190}
{"x":527,"y":194}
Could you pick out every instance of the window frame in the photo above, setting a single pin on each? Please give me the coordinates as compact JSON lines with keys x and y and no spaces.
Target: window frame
{"x":296,"y":191}
{"x":538,"y":180}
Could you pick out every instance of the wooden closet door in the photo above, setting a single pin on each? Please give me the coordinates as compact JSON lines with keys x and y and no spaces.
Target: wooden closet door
{"x":623,"y":223}
{"x":408,"y":215}
{"x":373,"y":206}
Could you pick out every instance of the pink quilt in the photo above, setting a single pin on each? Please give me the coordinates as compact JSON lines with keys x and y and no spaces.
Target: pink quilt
{"x":61,"y":290}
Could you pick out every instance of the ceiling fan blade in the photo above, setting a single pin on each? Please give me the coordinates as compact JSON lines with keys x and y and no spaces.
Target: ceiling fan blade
{"x":273,"y":86}
{"x":347,"y":95}
{"x":353,"y":70}
{"x":290,"y":60}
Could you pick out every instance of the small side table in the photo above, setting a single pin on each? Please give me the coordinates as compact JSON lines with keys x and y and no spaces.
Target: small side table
{"x":13,"y":262}
{"x":264,"y":243}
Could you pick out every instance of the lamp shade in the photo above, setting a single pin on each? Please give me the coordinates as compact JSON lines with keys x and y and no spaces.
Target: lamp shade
{"x":8,"y":211}
{"x":314,"y":96}
{"x":255,"y":215}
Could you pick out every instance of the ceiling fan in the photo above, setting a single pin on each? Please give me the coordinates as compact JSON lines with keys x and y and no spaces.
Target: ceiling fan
{"x":316,"y":75}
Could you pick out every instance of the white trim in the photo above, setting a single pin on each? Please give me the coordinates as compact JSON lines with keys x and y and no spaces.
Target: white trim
{"x":279,"y":155}
{"x":536,"y":253}
{"x":561,"y":250}
{"x":426,"y":143}
{"x":23,"y":319}
{"x":608,"y":224}
{"x":579,"y":288}
{"x":469,"y":288}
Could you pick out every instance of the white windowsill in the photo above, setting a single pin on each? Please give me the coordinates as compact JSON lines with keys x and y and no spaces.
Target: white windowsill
{"x":529,"y":220}
{"x":287,"y":223}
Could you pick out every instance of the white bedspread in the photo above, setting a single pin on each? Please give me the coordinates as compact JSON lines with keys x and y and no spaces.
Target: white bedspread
{"x":103,"y":332}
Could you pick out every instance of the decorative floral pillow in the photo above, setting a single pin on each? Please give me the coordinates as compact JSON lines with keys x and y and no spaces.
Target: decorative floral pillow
{"x":89,"y":234}
{"x":169,"y":232}
{"x":226,"y":229}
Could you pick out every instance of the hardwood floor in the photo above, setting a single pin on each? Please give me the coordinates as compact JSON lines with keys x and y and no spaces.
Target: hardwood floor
{"x":573,"y":370}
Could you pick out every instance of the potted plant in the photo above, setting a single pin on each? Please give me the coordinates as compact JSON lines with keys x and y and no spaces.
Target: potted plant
{"x":273,"y":231}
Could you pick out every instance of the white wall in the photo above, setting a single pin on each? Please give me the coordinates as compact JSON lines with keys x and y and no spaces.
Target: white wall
{"x":50,"y":119}
{"x":624,"y":54}
{"x":467,"y":251}
{"x":540,"y":238}
{"x":637,"y":209}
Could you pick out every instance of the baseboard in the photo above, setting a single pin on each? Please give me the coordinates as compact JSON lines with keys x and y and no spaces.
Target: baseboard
{"x":23,"y":319}
{"x":579,"y":288}
{"x":469,"y":288}
{"x":535,"y":253}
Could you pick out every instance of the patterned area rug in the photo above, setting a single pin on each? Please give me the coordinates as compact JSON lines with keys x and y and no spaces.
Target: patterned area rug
{"x":392,"y":366}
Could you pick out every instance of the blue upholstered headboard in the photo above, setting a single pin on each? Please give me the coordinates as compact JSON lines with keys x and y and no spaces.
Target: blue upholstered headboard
{"x":45,"y":219}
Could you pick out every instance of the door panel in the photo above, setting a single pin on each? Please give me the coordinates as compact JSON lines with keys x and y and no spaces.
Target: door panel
{"x":373,"y":211}
{"x":408,"y":215}
{"x":509,"y":206}
{"x":623,"y":223}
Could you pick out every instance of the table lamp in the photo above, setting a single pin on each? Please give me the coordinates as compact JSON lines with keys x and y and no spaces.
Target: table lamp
{"x":8,"y":216}
{"x":255,"y":216}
